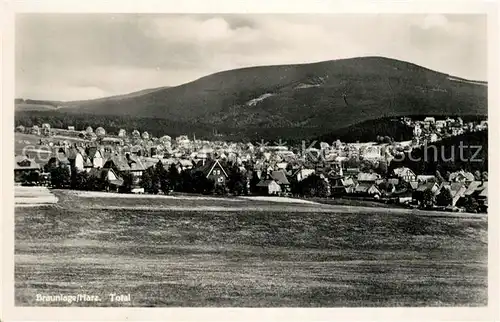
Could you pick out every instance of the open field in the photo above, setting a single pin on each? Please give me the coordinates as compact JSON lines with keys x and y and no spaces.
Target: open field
{"x":251,"y":258}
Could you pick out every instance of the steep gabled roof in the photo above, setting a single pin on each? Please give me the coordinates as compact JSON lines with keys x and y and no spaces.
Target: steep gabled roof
{"x":402,"y":171}
{"x":210,"y":166}
{"x":185,"y":163}
{"x":92,"y":151}
{"x":135,"y":163}
{"x":363,"y":187}
{"x":24,"y":163}
{"x":368,"y":176}
{"x":472,"y":187}
{"x":280,"y":177}
{"x":120,"y":162}
{"x":425,"y":177}
{"x":425,"y":186}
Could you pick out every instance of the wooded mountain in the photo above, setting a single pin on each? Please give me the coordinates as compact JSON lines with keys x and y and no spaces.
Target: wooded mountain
{"x":326,"y":95}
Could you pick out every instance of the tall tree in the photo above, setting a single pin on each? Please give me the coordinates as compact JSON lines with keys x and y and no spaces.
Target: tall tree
{"x":444,"y":198}
{"x":81,"y":181}
{"x":174,"y":177}
{"x":162,"y":177}
{"x":60,"y":177}
{"x":428,"y":198}
{"x":237,"y":183}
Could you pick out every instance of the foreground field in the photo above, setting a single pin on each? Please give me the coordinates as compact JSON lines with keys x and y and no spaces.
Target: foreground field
{"x":256,"y":258}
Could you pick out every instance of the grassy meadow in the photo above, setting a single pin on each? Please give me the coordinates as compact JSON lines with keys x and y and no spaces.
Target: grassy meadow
{"x":255,"y":254}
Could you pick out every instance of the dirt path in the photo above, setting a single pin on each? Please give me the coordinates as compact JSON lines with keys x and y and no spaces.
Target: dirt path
{"x":33,"y":196}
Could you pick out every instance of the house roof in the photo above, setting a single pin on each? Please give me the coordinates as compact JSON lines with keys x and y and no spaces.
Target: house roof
{"x":425,"y":177}
{"x":185,"y":163}
{"x":484,"y":193}
{"x":414,"y":185}
{"x":402,"y":171}
{"x":60,"y":157}
{"x":92,"y":151}
{"x":365,"y":187}
{"x":24,"y":163}
{"x":103,"y":173}
{"x":425,"y":186}
{"x":209,"y":166}
{"x":304,"y":173}
{"x":473,"y":186}
{"x":280,"y":177}
{"x":460,"y":175}
{"x":120,"y":162}
{"x":136,"y":164}
{"x":363,"y":176}
{"x":352,"y":170}
{"x":348,"y":182}
{"x":393,"y":181}
{"x":81,"y":150}
{"x":87,"y":163}
{"x":265,"y":183}
{"x":457,"y":186}
{"x":117,"y":182}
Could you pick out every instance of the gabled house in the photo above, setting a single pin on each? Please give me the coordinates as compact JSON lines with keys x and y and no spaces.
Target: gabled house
{"x":473,"y":189}
{"x":58,"y":159}
{"x":280,"y":177}
{"x":184,"y":164}
{"x":423,"y":178}
{"x":461,"y":176}
{"x":414,"y":185}
{"x":418,"y":194}
{"x":118,"y":163}
{"x":136,"y":166}
{"x":457,"y":190}
{"x":77,"y":158}
{"x":301,"y":174}
{"x":351,"y":172}
{"x":364,"y":177}
{"x":268,"y":187}
{"x":394,"y":181}
{"x":341,"y":185}
{"x":368,"y":189}
{"x":95,"y":155}
{"x":214,"y":170}
{"x":24,"y":166}
{"x":113,"y":181}
{"x":405,"y":174}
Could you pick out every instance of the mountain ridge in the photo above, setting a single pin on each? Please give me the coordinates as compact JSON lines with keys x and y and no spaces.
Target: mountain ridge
{"x":331,"y":94}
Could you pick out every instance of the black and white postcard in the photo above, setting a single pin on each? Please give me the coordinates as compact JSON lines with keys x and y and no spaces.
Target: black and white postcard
{"x":313,"y":160}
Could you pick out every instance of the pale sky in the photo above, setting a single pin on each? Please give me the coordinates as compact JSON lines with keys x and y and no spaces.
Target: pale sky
{"x":77,"y":56}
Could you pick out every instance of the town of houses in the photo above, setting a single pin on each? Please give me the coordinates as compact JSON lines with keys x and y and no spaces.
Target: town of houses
{"x":264,"y":168}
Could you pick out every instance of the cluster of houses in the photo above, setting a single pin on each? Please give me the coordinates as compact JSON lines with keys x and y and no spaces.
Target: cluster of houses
{"x":271,"y":169}
{"x":432,"y":129}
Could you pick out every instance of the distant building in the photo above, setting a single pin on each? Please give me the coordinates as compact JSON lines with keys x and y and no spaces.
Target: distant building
{"x":24,"y":166}
{"x":430,"y":120}
{"x":268,"y":187}
{"x":213,"y":170}
{"x":405,"y":174}
{"x":440,"y":124}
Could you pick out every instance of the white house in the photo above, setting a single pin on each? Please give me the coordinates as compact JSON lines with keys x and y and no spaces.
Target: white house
{"x":95,"y":155}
